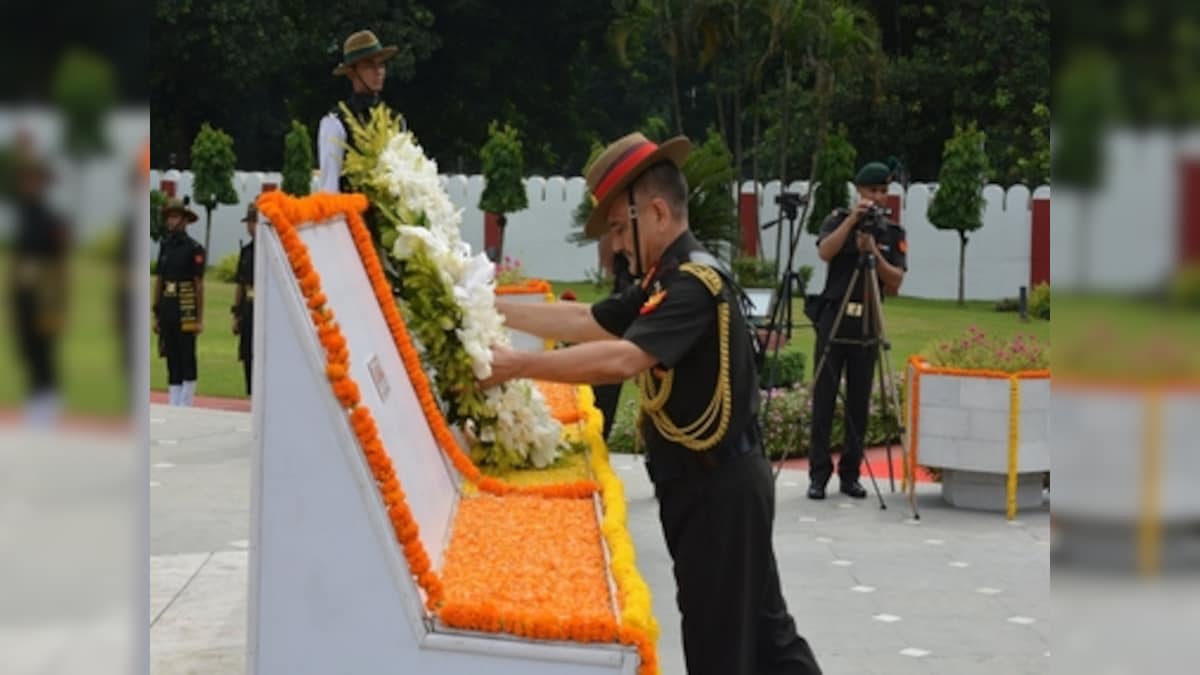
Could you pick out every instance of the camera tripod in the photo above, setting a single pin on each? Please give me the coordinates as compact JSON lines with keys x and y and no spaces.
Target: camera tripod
{"x":781,"y":303}
{"x":874,"y":337}
{"x":779,"y":324}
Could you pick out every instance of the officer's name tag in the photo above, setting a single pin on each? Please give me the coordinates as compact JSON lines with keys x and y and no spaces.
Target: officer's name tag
{"x":854,"y":309}
{"x":378,"y":377}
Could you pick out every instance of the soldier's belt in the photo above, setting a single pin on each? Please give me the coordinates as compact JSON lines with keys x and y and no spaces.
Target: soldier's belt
{"x":854,"y":309}
{"x":173,"y":289}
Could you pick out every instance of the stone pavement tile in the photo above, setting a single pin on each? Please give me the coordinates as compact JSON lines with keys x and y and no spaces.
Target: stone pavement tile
{"x":169,"y":575}
{"x":969,"y":637}
{"x":225,"y":660}
{"x":204,"y":629}
{"x":201,"y":502}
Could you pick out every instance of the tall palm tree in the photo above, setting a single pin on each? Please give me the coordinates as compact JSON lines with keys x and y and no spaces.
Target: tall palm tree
{"x":665,"y":20}
{"x":821,"y":39}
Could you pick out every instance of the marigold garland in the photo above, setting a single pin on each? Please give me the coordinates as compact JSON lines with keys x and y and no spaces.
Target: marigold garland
{"x":638,"y":625}
{"x":283,"y":212}
{"x":529,"y":566}
{"x":1014,"y":445}
{"x":561,"y":399}
{"x":528,"y":286}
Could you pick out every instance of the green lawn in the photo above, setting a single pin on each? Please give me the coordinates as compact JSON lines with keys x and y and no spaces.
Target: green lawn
{"x":93,"y":381}
{"x":911,"y":324}
{"x":220,"y":372}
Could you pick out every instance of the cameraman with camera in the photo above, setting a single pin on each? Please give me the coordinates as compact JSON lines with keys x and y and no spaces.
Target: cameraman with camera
{"x":847,"y":242}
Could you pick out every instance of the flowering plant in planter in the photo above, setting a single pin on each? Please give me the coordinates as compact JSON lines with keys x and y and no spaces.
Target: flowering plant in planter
{"x":509,"y":272}
{"x":788,"y":422}
{"x":975,"y":350}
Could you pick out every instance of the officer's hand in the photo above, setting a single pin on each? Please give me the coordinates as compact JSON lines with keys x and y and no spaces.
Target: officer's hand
{"x":506,"y":365}
{"x":866,"y":243}
{"x":154,"y":325}
{"x":199,"y":327}
{"x":236,"y":327}
{"x":860,"y":209}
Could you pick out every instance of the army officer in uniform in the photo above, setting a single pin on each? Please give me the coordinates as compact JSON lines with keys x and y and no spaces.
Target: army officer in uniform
{"x":680,"y":332}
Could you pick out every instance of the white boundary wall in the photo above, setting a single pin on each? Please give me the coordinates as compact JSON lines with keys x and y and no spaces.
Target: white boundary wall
{"x":997,"y":257}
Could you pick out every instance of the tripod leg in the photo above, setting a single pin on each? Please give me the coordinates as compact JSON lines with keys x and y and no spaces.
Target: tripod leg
{"x":879,"y":368}
{"x":859,"y":372}
{"x":888,"y":382}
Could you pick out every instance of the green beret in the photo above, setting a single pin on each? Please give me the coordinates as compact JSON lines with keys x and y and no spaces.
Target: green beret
{"x":874,"y":173}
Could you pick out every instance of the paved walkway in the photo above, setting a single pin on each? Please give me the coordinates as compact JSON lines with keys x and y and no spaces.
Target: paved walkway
{"x":876,"y":593}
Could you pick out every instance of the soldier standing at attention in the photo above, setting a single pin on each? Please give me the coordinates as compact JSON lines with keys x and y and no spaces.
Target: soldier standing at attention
{"x":179,"y":301}
{"x":243,"y":300}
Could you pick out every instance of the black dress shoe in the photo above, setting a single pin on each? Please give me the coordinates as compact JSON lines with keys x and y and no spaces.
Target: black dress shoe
{"x":853,"y":489}
{"x":816,"y":491}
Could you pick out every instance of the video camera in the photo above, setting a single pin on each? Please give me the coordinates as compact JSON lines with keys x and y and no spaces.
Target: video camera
{"x":875,"y":221}
{"x":790,"y":203}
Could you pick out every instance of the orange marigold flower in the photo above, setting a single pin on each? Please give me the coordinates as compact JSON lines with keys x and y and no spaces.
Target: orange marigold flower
{"x":335,"y":372}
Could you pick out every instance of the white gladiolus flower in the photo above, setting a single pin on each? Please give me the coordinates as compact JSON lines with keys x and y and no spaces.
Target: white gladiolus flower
{"x":524,"y":429}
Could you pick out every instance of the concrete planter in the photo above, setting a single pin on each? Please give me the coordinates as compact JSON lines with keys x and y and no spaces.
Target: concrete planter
{"x":1146,"y":437}
{"x":992,"y":457}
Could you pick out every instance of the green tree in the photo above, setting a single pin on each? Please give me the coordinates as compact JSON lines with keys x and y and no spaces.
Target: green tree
{"x":158,"y":227}
{"x":503,"y":174}
{"x":582,"y":212}
{"x":1034,"y":169}
{"x":958,"y":202}
{"x":712,"y":212}
{"x":84,"y":90}
{"x":251,"y":67}
{"x":1086,"y":102}
{"x":213,"y":163}
{"x":835,"y":169}
{"x":962,"y":60}
{"x":297,"y":161}
{"x":821,"y":40}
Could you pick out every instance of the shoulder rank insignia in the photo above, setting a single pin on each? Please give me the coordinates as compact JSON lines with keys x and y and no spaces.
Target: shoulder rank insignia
{"x":652,"y":303}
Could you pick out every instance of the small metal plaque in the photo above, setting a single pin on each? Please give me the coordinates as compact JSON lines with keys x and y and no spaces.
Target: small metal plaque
{"x":377,"y":376}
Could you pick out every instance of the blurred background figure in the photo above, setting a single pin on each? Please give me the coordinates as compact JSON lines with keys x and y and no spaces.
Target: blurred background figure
{"x":608,"y":396}
{"x":243,"y":300}
{"x":37,"y":280}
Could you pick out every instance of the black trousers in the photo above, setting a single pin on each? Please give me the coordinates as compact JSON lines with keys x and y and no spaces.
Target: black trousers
{"x":717,"y":524}
{"x":607,"y":398}
{"x":246,"y":342}
{"x":180,"y":350}
{"x":858,"y":364}
{"x":36,"y":345}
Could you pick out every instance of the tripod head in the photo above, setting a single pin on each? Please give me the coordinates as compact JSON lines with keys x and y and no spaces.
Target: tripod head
{"x":789,"y":207}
